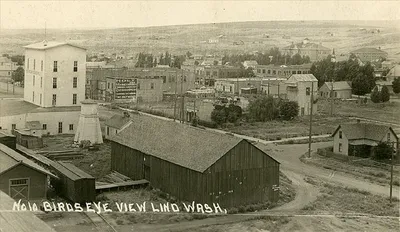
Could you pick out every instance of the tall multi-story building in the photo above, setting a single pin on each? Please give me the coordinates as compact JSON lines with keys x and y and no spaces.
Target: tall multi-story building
{"x":369,"y":54}
{"x":299,"y":88}
{"x":306,"y":48}
{"x":281,"y":71}
{"x":54,"y":74}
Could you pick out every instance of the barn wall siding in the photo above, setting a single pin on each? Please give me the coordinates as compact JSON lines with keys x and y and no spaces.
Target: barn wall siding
{"x":38,"y":181}
{"x":244,"y":175}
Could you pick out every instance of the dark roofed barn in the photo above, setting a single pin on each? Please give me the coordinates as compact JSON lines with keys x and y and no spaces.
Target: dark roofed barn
{"x":194,"y":164}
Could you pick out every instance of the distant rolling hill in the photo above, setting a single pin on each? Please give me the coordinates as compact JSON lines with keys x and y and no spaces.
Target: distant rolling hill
{"x":343,"y":36}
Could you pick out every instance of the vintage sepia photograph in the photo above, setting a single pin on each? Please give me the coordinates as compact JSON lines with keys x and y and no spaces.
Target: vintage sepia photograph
{"x":200,"y":116}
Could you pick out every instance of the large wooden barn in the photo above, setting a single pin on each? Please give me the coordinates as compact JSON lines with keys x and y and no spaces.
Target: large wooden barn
{"x":194,"y":164}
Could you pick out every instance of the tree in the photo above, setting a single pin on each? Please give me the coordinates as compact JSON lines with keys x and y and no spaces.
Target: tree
{"x":234,"y":113}
{"x":383,"y":151}
{"x":289,"y":110}
{"x":375,"y":95}
{"x":218,"y":115}
{"x":396,"y":85}
{"x":358,"y":85}
{"x":385,"y":95}
{"x":188,"y":54}
{"x":263,"y":109}
{"x":196,"y":63}
{"x":18,"y":75}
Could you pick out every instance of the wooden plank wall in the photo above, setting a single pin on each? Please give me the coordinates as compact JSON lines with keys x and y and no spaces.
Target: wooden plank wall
{"x":244,"y":175}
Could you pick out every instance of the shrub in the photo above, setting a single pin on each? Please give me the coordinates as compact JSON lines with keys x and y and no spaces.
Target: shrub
{"x":289,"y":110}
{"x":385,"y":95}
{"x":383,"y":151}
{"x":375,"y":95}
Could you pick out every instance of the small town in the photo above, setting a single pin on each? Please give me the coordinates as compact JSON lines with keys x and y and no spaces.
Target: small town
{"x":200,"y":121}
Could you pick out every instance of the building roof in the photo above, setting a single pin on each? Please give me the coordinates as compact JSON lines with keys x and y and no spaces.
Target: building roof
{"x":10,"y":158}
{"x":49,"y":44}
{"x":13,"y":220}
{"x":71,"y":171}
{"x":118,"y":121}
{"x":369,"y":50}
{"x":339,"y":85}
{"x":308,"y":46}
{"x":387,"y":83}
{"x":33,"y":125}
{"x":364,"y":131}
{"x":301,"y":78}
{"x":11,"y":107}
{"x":250,"y":62}
{"x":394,"y":72}
{"x":187,"y":146}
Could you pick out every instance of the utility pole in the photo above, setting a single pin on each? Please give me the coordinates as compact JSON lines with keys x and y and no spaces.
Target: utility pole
{"x":311,"y":114}
{"x":279,"y":96}
{"x":176,"y":97}
{"x":182,"y":118}
{"x":332,"y":96}
{"x":391,"y":170}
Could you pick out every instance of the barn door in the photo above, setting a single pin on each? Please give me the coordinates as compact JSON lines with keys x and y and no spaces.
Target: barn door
{"x":19,"y":188}
{"x":146,"y":172}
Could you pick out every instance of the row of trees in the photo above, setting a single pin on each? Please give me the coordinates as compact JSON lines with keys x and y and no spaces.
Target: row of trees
{"x":147,"y":60}
{"x":273,"y":56}
{"x":19,"y":59}
{"x":362,"y":77}
{"x":262,"y":109}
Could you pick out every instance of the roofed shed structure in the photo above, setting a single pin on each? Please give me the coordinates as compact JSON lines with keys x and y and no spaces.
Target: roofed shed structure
{"x":341,"y":90}
{"x":73,"y":183}
{"x":194,"y":164}
{"x":116,"y":124}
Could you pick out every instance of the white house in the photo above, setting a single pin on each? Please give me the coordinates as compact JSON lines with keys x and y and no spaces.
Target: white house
{"x":299,"y":89}
{"x":116,"y":124}
{"x":54,"y":74}
{"x":359,"y":138}
{"x":341,"y":90}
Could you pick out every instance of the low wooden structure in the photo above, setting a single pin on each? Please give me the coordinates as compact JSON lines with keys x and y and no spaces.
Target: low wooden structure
{"x":73,"y":183}
{"x":27,"y":140}
{"x":193,"y":164}
{"x":19,"y":221}
{"x":8,"y":139}
{"x":121,"y":185}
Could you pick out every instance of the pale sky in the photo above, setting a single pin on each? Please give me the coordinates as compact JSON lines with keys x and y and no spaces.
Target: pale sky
{"x":111,"y":14}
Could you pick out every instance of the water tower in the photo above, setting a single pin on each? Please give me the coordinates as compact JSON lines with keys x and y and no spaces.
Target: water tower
{"x":89,"y":124}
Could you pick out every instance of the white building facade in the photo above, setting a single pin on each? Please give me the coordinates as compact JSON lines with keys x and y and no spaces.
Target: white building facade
{"x":54,"y":74}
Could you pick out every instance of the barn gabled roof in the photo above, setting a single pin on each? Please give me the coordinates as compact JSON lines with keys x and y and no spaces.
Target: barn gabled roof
{"x":10,"y":159}
{"x":364,"y":131}
{"x":117,"y":121}
{"x":71,"y":171}
{"x":184,"y":145}
{"x":338,"y":85}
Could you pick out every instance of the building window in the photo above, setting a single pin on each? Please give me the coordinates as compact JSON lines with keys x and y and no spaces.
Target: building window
{"x":54,"y":82}
{"x":60,"y":128}
{"x":17,"y":182}
{"x":335,"y":94}
{"x":340,"y":134}
{"x":41,"y":65}
{"x":151,"y":85}
{"x":33,"y":80}
{"x":75,"y":82}
{"x":308,"y":91}
{"x":54,"y":100}
{"x":71,"y":127}
{"x":33,"y":96}
{"x":75,"y":66}
{"x":138,"y":86}
{"x":388,"y":137}
{"x":55,"y":68}
{"x":41,"y":82}
{"x":108,"y":130}
{"x":112,"y":85}
{"x":27,"y":64}
{"x":164,"y":79}
{"x":44,"y":126}
{"x":340,"y":147}
{"x":108,"y":85}
{"x":74,"y":99}
{"x":40,"y":99}
{"x":34,"y":64}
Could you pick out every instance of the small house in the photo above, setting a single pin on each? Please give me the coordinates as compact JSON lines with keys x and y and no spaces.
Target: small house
{"x":116,"y":124}
{"x":358,"y":139}
{"x":194,"y":164}
{"x":20,"y":177}
{"x":341,"y":90}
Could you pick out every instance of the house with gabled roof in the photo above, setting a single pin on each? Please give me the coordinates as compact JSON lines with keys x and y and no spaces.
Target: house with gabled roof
{"x":338,"y":89}
{"x":20,"y":177}
{"x":195,"y":164}
{"x":116,"y":124}
{"x":358,"y":139}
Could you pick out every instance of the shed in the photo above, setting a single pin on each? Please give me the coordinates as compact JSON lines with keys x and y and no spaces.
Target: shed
{"x":73,"y":183}
{"x":116,"y":124}
{"x":27,"y":139}
{"x":20,"y":177}
{"x":194,"y":164}
{"x":8,"y":139}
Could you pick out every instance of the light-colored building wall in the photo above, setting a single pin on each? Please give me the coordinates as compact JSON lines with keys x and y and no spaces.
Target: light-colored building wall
{"x":51,"y":119}
{"x":111,"y":131}
{"x":39,"y":82}
{"x":299,"y":94}
{"x":343,"y":143}
{"x":150,"y":90}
